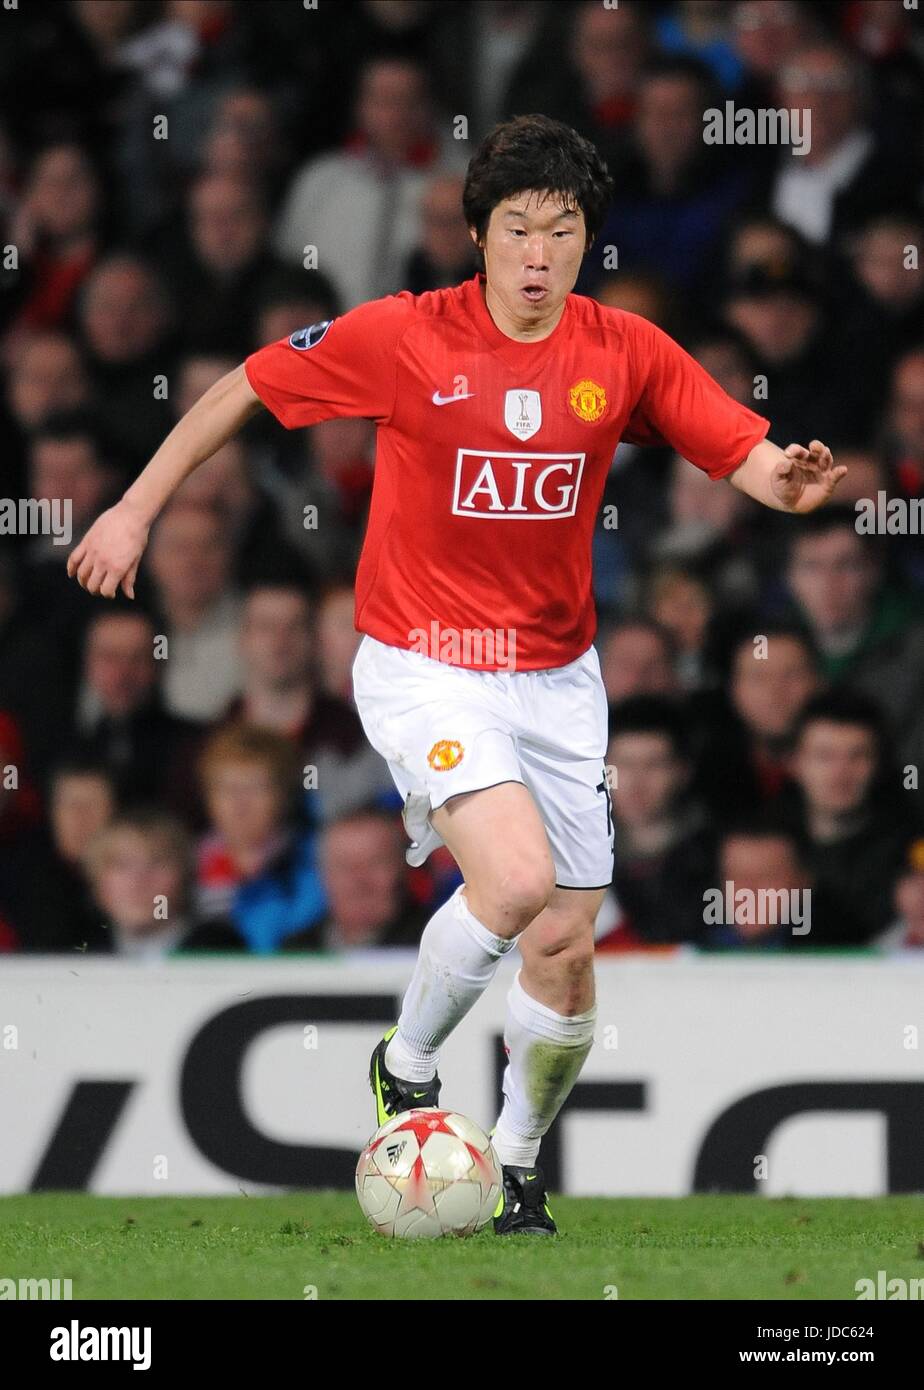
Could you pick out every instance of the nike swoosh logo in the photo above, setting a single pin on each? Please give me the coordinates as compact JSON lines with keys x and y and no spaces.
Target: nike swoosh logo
{"x":530,"y":1177}
{"x":418,"y":1094}
{"x":447,"y":400}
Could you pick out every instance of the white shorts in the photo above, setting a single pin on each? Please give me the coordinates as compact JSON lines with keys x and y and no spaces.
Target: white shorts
{"x":446,"y":729}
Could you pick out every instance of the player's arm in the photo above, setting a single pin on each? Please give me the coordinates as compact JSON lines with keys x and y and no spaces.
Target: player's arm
{"x":110,"y":552}
{"x":794,"y":479}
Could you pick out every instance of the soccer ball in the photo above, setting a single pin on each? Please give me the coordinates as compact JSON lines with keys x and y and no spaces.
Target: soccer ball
{"x":428,"y":1173}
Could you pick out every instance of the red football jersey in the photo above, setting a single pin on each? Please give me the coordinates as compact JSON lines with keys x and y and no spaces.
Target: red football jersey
{"x":492,"y":455}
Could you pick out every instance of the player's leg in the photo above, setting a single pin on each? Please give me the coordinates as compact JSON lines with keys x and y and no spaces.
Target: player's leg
{"x":445,"y":733}
{"x":548,"y":1033}
{"x":549,"y":1024}
{"x":549,"y":1027}
{"x":498,"y":840}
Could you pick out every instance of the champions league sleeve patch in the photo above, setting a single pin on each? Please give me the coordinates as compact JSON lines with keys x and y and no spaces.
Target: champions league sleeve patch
{"x":304,"y":338}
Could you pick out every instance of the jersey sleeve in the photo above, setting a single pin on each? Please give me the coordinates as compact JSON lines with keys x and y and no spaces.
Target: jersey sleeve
{"x":682,"y":406}
{"x":342,"y":367}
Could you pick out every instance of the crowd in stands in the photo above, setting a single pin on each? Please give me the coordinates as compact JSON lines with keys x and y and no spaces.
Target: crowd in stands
{"x":187,"y":772}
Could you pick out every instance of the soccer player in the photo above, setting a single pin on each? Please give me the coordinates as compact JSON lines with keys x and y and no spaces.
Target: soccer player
{"x":499,"y":404}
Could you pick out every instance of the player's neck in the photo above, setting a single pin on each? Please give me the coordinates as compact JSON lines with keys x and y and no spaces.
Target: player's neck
{"x":515,"y":326}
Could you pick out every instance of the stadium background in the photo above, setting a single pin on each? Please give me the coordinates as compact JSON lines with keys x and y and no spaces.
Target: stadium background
{"x":165,"y":170}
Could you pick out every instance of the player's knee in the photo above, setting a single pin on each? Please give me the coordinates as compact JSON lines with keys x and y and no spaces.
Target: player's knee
{"x":523,"y":892}
{"x":569,"y":941}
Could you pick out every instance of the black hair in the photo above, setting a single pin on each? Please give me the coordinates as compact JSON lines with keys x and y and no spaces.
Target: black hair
{"x":78,"y":423}
{"x":652,"y":714}
{"x":537,"y":153}
{"x":795,"y":631}
{"x":834,"y":516}
{"x":765,"y":825}
{"x":846,"y":707}
{"x":282,"y":284}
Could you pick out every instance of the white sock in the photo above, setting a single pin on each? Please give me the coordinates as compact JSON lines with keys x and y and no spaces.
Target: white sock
{"x":456,"y":962}
{"x":545,"y":1053}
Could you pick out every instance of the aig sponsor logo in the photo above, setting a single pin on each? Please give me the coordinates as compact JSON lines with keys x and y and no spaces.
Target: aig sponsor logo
{"x":536,"y":486}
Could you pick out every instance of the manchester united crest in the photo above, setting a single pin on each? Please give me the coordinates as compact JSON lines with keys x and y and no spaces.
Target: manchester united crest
{"x":588,"y":400}
{"x":445,"y":755}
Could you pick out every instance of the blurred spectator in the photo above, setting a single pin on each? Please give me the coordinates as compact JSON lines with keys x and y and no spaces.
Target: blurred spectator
{"x":197,"y":373}
{"x":61,"y":71}
{"x":184,"y":65}
{"x":663,"y":846}
{"x":701,"y":29}
{"x":224,"y":486}
{"x":155,"y":159}
{"x":637,"y":657}
{"x":501,"y":32}
{"x":217,"y":262}
{"x":674,"y":193}
{"x":767,"y":33}
{"x":678,"y":598}
{"x":847,"y":808}
{"x":19,"y":819}
{"x":115,"y":714}
{"x":885,"y":36}
{"x":842,"y":174}
{"x":904,"y":425}
{"x":707,"y":528}
{"x":343,"y":454}
{"x":728,"y":357}
{"x":445,"y":254}
{"x":125,"y":319}
{"x":907,"y":931}
{"x":635,"y":292}
{"x":56,"y":230}
{"x":882,"y":310}
{"x":782,"y":316}
{"x":256,"y":866}
{"x":292,"y":299}
{"x":867,"y":631}
{"x":744,"y":760}
{"x":48,"y":376}
{"x":139,"y":868}
{"x":281,"y":692}
{"x":592,"y":81}
{"x":81,"y":801}
{"x":190,"y":561}
{"x":360,"y":207}
{"x":866,"y":475}
{"x":71,"y":460}
{"x":337,"y":641}
{"x":760,"y":241}
{"x":322,"y":488}
{"x":361,"y":857}
{"x":244,"y":140}
{"x":71,"y":466}
{"x":770,"y":899}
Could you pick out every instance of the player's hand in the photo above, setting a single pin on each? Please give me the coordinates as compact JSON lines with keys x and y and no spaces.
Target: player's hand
{"x":110,"y":552}
{"x":805,"y":478}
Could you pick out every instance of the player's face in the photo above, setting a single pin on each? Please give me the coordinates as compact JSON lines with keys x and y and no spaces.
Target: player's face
{"x":533,"y":249}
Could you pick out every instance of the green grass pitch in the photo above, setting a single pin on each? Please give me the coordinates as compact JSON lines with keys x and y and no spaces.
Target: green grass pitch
{"x":705,"y":1247}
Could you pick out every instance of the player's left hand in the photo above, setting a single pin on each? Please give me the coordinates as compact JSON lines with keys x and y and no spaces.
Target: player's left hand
{"x":805,"y":478}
